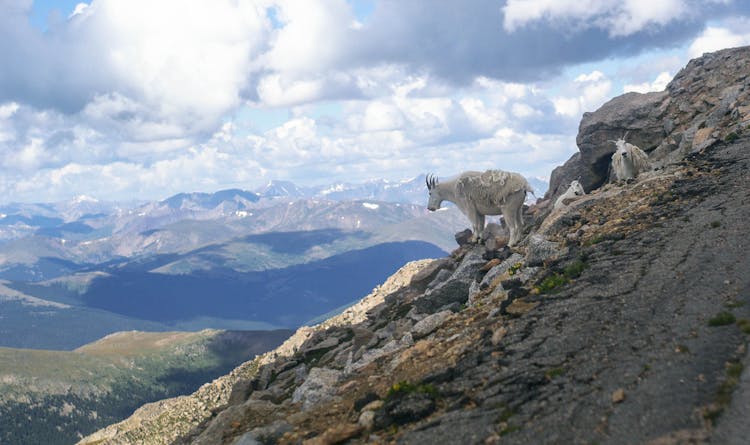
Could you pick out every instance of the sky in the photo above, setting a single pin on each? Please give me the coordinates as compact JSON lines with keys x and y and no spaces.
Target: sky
{"x":136,"y":99}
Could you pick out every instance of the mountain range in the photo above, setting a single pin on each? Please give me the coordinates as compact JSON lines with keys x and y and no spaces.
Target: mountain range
{"x":621,"y":318}
{"x":153,"y":265}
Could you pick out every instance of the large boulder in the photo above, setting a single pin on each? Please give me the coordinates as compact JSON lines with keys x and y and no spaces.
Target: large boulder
{"x":573,"y":169}
{"x":639,"y":116}
{"x":705,"y":102}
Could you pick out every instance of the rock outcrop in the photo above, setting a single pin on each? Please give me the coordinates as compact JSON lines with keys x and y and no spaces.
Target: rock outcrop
{"x":624,"y":318}
{"x":706,"y":102}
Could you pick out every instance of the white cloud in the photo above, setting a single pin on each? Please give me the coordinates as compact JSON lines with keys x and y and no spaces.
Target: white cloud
{"x":587,"y":93}
{"x":29,"y":157}
{"x":716,"y":38}
{"x":659,"y":84}
{"x":147,"y":98}
{"x":8,"y":110}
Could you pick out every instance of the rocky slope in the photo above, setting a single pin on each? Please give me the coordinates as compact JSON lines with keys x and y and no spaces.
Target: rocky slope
{"x":622,"y":318}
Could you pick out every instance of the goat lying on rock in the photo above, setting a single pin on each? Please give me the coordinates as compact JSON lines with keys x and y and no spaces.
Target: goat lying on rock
{"x":628,"y":161}
{"x":478,"y":194}
{"x":574,"y":191}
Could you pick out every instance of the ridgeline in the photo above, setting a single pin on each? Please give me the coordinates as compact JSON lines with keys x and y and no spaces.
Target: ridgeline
{"x":622,"y":318}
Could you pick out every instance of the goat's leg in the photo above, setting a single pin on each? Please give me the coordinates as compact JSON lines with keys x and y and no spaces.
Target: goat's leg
{"x":510,"y":221}
{"x":513,"y":214}
{"x":479,"y":227}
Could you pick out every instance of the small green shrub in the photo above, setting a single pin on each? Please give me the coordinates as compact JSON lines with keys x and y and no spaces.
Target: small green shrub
{"x":574,"y":269}
{"x":509,"y":429}
{"x":515,"y":268}
{"x":506,"y":414}
{"x":552,"y":283}
{"x":722,"y":319}
{"x":715,"y":224}
{"x":744,"y":325}
{"x":595,"y":240}
{"x":734,"y":370}
{"x":554,"y":372}
{"x":402,"y":388}
{"x":731,"y":137}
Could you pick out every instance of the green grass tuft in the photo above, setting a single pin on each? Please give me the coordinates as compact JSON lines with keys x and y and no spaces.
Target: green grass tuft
{"x":515,"y":268}
{"x":403,"y":388}
{"x":554,"y":372}
{"x":574,"y":269}
{"x":552,"y":283}
{"x":722,"y":319}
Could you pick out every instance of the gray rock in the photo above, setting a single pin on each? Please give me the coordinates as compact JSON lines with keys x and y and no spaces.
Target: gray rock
{"x":247,"y":439}
{"x":428,"y":324}
{"x":374,"y":354}
{"x":638,"y":115}
{"x":470,"y":265}
{"x":464,"y":237}
{"x":441,"y":277}
{"x":573,"y":169}
{"x":404,"y":409}
{"x":540,"y":250}
{"x":265,"y":434}
{"x":320,"y":386}
{"x":456,"y":288}
{"x":451,"y":291}
{"x":367,"y":419}
{"x":428,"y":274}
{"x":491,"y":275}
{"x":212,"y":435}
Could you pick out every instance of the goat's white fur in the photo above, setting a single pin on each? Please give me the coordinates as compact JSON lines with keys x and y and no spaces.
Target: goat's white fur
{"x":628,"y":161}
{"x":574,"y":191}
{"x":478,"y":194}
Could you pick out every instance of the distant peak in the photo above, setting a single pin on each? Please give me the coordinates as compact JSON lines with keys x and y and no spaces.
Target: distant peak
{"x":84,"y":198}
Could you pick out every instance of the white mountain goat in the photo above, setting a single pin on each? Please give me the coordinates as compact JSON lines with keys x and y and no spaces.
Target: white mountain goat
{"x":574,"y":191}
{"x":477,"y":194}
{"x":628,"y":161}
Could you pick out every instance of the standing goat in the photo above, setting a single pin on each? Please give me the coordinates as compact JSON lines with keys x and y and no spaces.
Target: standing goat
{"x":477,"y":194}
{"x":574,"y":191}
{"x":628,"y":161}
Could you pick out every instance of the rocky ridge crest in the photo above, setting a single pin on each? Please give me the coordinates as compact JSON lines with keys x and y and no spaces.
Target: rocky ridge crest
{"x":706,"y":102}
{"x":623,"y":318}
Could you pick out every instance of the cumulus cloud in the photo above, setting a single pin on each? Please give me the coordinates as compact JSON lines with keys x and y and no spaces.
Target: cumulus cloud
{"x":659,"y":84}
{"x":587,"y":92}
{"x":715,"y":38}
{"x":144,"y":97}
{"x":187,"y":65}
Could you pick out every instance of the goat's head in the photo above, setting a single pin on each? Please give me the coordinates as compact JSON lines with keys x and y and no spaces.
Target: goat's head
{"x":620,"y":145}
{"x":577,"y":188}
{"x":435,"y":198}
